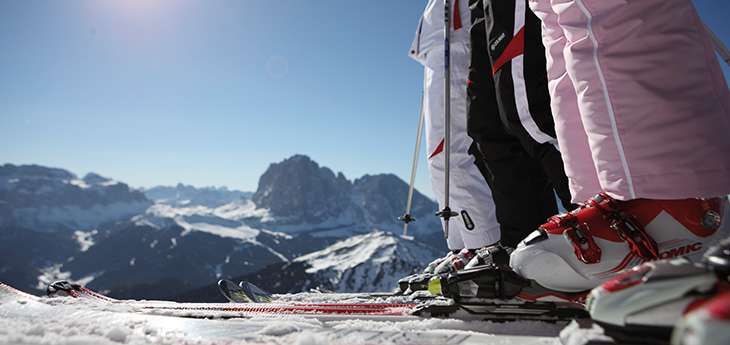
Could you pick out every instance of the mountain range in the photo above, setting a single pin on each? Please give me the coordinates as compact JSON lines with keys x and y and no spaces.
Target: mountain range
{"x":303,"y":220}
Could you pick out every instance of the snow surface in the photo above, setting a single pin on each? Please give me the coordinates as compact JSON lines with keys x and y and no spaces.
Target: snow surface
{"x":578,"y":334}
{"x":85,"y":321}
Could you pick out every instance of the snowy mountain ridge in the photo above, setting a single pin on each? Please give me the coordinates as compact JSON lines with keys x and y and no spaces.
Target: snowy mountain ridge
{"x":48,"y":199}
{"x":186,"y":195}
{"x":364,"y":263}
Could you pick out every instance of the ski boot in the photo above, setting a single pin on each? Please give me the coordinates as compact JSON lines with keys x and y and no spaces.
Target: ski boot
{"x":486,"y":282}
{"x":494,"y":255}
{"x":709,"y":324}
{"x":498,"y":293}
{"x":642,"y":305}
{"x":455,"y":262}
{"x":579,"y":250}
{"x":495,"y":282}
{"x":419,"y":281}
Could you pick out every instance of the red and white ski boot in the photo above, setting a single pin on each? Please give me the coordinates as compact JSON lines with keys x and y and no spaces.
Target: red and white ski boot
{"x":709,"y":324}
{"x":581,"y":249}
{"x":643,"y":304}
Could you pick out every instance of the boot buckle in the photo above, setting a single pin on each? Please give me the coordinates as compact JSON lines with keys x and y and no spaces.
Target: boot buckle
{"x":584,"y":246}
{"x":629,"y":230}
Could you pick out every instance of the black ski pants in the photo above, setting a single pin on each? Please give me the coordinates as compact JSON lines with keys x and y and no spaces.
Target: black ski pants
{"x":509,"y":117}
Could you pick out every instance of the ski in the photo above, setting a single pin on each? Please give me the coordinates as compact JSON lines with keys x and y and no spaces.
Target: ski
{"x":66,"y":289}
{"x":476,"y":308}
{"x":247,"y":292}
{"x":233,"y":292}
{"x":254,"y":293}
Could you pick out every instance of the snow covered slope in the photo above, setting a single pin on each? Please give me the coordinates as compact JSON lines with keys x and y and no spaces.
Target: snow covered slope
{"x":372,"y":262}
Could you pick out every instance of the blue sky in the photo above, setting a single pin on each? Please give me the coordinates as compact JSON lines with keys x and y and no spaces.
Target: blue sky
{"x":210,"y":92}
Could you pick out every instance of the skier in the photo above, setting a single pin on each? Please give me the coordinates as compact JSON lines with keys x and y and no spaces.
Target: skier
{"x":509,"y":118}
{"x":642,"y":115}
{"x":476,"y":225}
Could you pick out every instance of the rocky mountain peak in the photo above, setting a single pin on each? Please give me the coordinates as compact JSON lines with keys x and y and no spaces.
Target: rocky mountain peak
{"x":383,"y":198}
{"x":299,"y":188}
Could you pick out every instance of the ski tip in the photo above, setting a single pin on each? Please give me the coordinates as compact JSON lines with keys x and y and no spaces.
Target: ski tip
{"x":225,"y":283}
{"x":64,"y":288}
{"x":255,"y":293}
{"x":231,"y":291}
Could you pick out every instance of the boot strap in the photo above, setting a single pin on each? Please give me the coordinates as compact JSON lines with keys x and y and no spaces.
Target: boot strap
{"x":627,"y":228}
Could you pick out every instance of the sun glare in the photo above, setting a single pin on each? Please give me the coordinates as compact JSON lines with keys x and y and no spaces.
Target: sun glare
{"x":140,"y":5}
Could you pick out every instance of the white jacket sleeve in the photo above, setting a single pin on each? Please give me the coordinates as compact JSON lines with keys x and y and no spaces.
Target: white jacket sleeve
{"x":429,"y":36}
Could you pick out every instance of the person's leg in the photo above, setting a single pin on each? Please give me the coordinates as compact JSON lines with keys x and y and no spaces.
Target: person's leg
{"x":571,"y":135}
{"x":518,"y":67}
{"x":522,"y":195}
{"x":475,"y":205}
{"x":433,"y":108}
{"x":629,"y":77}
{"x":470,"y":195}
{"x":652,"y":97}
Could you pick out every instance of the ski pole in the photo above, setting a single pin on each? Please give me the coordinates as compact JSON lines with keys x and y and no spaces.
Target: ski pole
{"x":407,"y":217}
{"x":446,"y":213}
{"x":720,"y":47}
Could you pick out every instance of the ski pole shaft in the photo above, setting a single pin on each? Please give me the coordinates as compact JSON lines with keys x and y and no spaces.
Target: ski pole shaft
{"x":414,"y":170}
{"x":720,"y":47}
{"x":446,"y":213}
